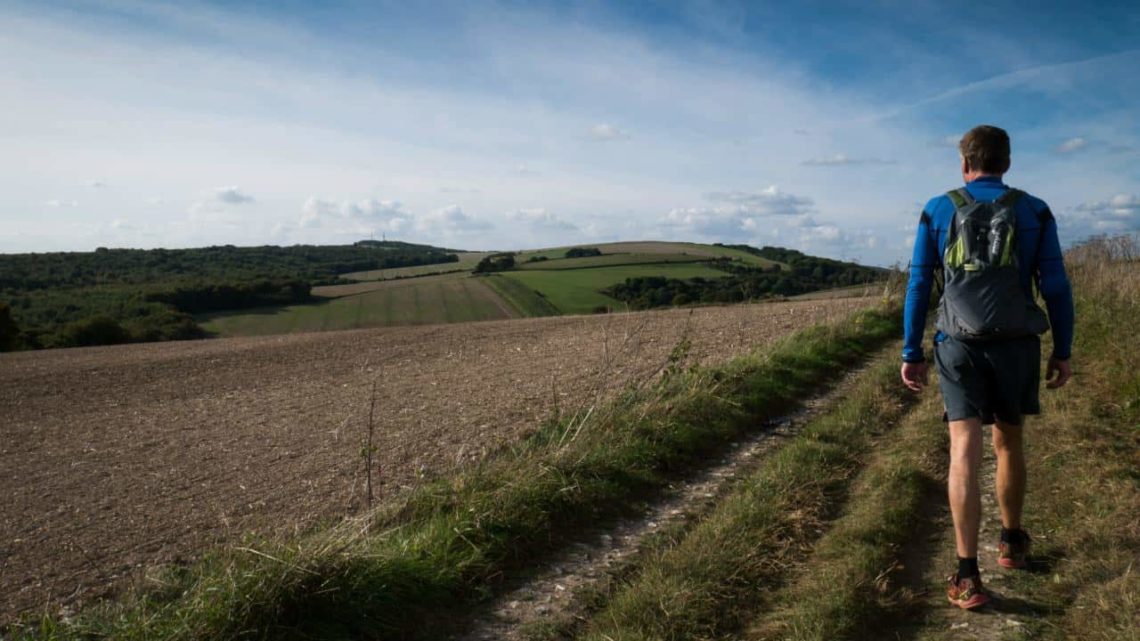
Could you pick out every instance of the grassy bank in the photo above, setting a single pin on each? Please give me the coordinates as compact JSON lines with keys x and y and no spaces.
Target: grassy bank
{"x":726,"y":568}
{"x":1083,"y":506}
{"x":1084,"y":497}
{"x":850,"y":582}
{"x":450,"y":543}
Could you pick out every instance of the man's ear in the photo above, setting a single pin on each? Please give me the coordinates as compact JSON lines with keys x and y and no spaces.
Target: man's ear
{"x":965,"y":165}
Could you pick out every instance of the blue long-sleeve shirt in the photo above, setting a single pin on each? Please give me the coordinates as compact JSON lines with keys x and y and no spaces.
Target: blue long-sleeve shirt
{"x":1047,"y":269}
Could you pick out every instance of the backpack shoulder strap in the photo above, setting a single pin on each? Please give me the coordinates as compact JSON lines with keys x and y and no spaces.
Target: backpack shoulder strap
{"x":1010,"y":197}
{"x":960,"y":197}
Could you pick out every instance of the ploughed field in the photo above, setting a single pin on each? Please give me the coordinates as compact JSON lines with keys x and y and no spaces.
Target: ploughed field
{"x":118,"y":458}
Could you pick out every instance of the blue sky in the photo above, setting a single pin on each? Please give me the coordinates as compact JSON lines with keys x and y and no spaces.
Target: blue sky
{"x":821,"y":126}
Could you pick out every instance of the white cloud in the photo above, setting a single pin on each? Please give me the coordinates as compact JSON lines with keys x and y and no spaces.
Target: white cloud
{"x":96,"y":184}
{"x":216,"y":208}
{"x":1121,"y":213}
{"x":742,"y":215}
{"x":842,"y":159}
{"x":770,"y":201}
{"x":1071,"y":145}
{"x":541,"y":220}
{"x":232,"y":196}
{"x":451,"y":220}
{"x":606,"y":131}
{"x":363,"y":216}
{"x":61,"y":203}
{"x":951,"y":141}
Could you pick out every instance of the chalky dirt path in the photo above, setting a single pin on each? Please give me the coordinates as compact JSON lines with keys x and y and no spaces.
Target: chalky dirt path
{"x":557,"y":593}
{"x":116,"y":458}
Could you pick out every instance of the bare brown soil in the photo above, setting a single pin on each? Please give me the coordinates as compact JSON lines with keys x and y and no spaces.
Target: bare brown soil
{"x":117,"y":458}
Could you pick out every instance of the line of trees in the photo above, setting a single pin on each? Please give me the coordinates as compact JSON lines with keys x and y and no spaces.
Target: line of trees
{"x":111,"y":296}
{"x":745,"y":282}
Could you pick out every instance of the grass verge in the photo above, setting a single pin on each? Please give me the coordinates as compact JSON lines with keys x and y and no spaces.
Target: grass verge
{"x":849,"y":584}
{"x":395,"y":575}
{"x":1084,"y":497}
{"x":711,"y":581}
{"x":1083,"y":506}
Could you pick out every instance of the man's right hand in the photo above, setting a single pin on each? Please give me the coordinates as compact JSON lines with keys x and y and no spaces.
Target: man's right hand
{"x":914,"y":375}
{"x":1057,"y":373}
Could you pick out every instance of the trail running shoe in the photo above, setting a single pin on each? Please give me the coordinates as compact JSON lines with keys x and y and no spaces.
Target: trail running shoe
{"x":1014,"y":556}
{"x":966,"y":593}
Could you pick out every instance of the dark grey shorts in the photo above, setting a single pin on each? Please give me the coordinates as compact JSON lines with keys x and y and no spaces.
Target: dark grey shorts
{"x":990,"y":379}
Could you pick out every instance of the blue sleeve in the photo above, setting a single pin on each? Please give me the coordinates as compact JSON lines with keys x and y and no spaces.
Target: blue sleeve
{"x":1053,"y":283}
{"x":922,"y":264}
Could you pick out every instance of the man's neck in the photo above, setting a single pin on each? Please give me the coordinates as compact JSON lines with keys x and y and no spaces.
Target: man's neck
{"x":971,"y":176}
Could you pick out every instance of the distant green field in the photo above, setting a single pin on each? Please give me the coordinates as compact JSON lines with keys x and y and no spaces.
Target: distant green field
{"x":611,"y":259}
{"x":653,"y":247}
{"x":418,"y":301}
{"x":467,"y":262}
{"x":576,"y":291}
{"x":447,"y":293}
{"x":854,"y":291}
{"x":524,"y":300}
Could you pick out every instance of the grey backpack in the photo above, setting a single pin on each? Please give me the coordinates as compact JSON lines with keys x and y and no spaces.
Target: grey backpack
{"x":982,"y":298}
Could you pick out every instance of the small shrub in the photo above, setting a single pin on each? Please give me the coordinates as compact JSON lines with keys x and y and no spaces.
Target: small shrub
{"x":583,"y":252}
{"x":96,"y":330}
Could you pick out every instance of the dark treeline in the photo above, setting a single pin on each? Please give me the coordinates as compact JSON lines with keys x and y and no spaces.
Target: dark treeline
{"x":226,"y":263}
{"x":803,"y":274}
{"x":128,"y":295}
{"x":495,"y":263}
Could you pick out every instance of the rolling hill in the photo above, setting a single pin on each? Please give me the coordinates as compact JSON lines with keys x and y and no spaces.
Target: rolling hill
{"x":543,"y":282}
{"x":125,"y":295}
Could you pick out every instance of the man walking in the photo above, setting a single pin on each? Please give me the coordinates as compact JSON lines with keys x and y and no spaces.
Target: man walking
{"x":993,"y":246}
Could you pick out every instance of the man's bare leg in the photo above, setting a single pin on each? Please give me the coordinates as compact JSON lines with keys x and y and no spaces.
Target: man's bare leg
{"x":965,"y":493}
{"x":1010,"y":483}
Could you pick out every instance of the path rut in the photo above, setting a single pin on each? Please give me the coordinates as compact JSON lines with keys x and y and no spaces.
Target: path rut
{"x":553,"y":595}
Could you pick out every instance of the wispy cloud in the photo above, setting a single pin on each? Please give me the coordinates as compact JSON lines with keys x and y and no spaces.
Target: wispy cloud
{"x":841,"y":160}
{"x":55,"y":202}
{"x":1121,"y":213}
{"x":743,"y":213}
{"x":451,"y":220}
{"x":1071,"y":145}
{"x":770,"y":201}
{"x":946,"y":141}
{"x":96,"y":184}
{"x":541,"y":220}
{"x":233,"y":196}
{"x":606,"y":131}
{"x":362,"y":216}
{"x":1044,"y":75}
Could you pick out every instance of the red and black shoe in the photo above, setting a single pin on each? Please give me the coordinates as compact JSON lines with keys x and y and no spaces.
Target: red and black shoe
{"x":1014,"y":556}
{"x":966,"y":592}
